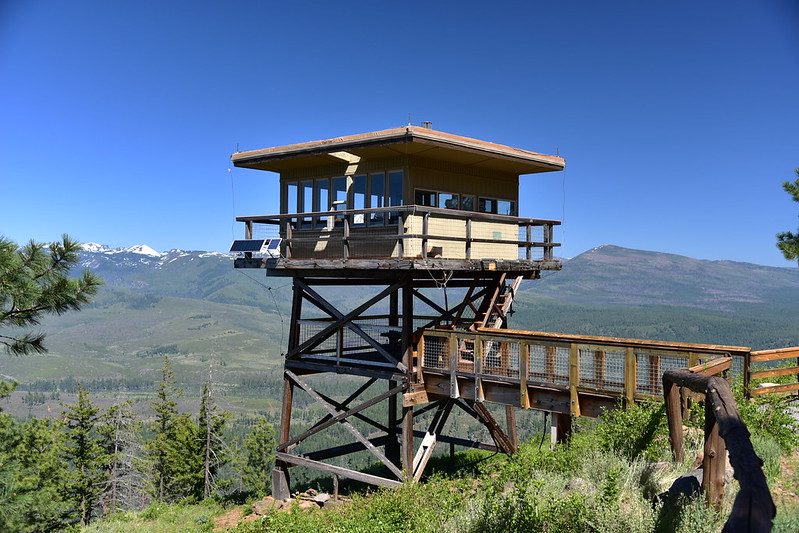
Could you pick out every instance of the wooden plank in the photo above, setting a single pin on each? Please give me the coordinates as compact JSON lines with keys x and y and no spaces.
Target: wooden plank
{"x":352,"y":429}
{"x":617,"y":341}
{"x":772,"y":372}
{"x":336,"y":470}
{"x":712,"y":367}
{"x":790,"y":387}
{"x":574,"y":379}
{"x":414,"y":398}
{"x":774,"y":355}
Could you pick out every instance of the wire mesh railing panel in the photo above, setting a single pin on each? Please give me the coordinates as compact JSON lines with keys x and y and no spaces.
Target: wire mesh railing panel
{"x":549,"y":364}
{"x":651,"y":366}
{"x":602,"y":369}
{"x":309,"y":329}
{"x":500,"y":358}
{"x":465,"y":355}
{"x":436,"y":352}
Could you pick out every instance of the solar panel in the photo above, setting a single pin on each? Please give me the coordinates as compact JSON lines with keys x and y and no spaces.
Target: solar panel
{"x":274,"y":244}
{"x":248,"y":245}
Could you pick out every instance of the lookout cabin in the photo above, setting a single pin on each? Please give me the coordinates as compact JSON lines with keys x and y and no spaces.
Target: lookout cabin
{"x":408,"y":198}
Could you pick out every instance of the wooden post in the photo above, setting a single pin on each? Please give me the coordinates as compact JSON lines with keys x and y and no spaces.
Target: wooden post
{"x":715,"y":461}
{"x":407,"y":359}
{"x":630,"y":377}
{"x":425,"y":227}
{"x":561,"y":429}
{"x":528,"y":248}
{"x":400,"y":232}
{"x":574,"y":379}
{"x":468,"y":238}
{"x":281,"y":482}
{"x":671,"y":393}
{"x":510,"y":421}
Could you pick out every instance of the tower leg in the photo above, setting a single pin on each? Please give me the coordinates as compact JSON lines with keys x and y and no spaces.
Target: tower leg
{"x":281,"y":482}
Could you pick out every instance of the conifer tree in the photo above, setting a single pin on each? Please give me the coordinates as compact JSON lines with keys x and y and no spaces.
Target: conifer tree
{"x":34,"y":281}
{"x":174,"y":453}
{"x":211,"y":422}
{"x":119,"y":430}
{"x":787,"y":241}
{"x":85,"y":481}
{"x":259,"y":458}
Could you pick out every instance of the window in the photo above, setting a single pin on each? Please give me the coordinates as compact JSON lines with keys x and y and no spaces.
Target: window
{"x":506,"y":207}
{"x":498,"y":207}
{"x":377,"y":194}
{"x":427,"y":198}
{"x":291,"y":198}
{"x":306,"y":202}
{"x":487,"y":205}
{"x":359,"y":197}
{"x":468,"y":203}
{"x":448,"y":200}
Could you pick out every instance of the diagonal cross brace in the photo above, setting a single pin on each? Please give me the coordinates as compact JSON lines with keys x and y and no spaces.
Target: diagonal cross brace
{"x":344,"y":320}
{"x":341,"y":417}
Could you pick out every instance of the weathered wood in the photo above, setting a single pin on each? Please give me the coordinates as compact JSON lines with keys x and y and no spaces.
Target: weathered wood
{"x":714,"y":463}
{"x":352,"y":430}
{"x":671,"y":393}
{"x":713,"y":367}
{"x":574,"y":379}
{"x":773,"y":372}
{"x":790,"y":387}
{"x":297,"y":460}
{"x":772,"y":355}
{"x":485,"y":416}
{"x":753,"y":509}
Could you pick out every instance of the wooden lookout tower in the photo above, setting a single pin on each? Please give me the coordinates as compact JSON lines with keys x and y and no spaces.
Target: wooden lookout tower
{"x":397,"y":213}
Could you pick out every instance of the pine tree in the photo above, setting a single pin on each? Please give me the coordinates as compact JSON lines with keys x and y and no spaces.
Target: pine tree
{"x":119,"y":430}
{"x":787,"y":241}
{"x":84,"y":451}
{"x":161,"y":447}
{"x":259,"y":458}
{"x":173,"y":453}
{"x":211,"y":423}
{"x":34,"y":281}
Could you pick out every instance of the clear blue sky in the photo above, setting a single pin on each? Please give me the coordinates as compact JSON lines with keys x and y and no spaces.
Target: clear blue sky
{"x":678,"y":120}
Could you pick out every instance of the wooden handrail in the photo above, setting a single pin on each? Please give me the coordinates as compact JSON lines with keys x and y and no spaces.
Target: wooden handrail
{"x":753,"y":509}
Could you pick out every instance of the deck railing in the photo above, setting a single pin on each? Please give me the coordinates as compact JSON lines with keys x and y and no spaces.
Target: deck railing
{"x":405,"y":232}
{"x":773,"y":357}
{"x":624,"y":368}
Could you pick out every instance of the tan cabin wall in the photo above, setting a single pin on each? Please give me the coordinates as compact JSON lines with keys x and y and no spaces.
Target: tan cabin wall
{"x":466,"y":181}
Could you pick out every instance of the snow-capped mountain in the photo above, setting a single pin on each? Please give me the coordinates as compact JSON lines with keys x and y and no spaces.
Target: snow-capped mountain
{"x":96,"y":254}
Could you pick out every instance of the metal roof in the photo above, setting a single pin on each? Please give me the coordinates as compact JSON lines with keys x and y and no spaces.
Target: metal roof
{"x":409,"y":140}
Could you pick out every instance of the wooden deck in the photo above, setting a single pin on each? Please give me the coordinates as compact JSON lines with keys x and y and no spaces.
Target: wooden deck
{"x":402,"y":238}
{"x":575,"y":375}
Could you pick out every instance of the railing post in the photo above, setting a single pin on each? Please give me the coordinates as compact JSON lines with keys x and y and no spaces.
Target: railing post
{"x":747,"y":375}
{"x":574,"y":379}
{"x":400,"y":232}
{"x":524,"y":371}
{"x":469,"y":238}
{"x":671,"y":397}
{"x":529,"y":238}
{"x":715,"y":460}
{"x":548,"y":239}
{"x":346,"y":237}
{"x":630,"y":377}
{"x":425,"y":226}
{"x":289,"y":235}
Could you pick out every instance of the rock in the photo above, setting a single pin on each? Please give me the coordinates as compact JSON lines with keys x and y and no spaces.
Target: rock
{"x":580,"y":486}
{"x":261,"y":507}
{"x":321,"y":499}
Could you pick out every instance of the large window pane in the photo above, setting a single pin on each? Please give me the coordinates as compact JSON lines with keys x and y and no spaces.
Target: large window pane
{"x":448,"y":200}
{"x":306,"y":201}
{"x":487,"y":205}
{"x":395,"y":183}
{"x":427,"y":198}
{"x":395,"y":186}
{"x":291,"y":197}
{"x":322,"y":200}
{"x":468,"y":203}
{"x":339,"y":194}
{"x":506,"y":207}
{"x":358,"y":197}
{"x":377,"y":194}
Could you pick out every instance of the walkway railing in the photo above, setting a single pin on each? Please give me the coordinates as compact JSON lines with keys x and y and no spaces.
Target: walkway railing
{"x":773,"y":357}
{"x":624,"y":368}
{"x":405,"y":232}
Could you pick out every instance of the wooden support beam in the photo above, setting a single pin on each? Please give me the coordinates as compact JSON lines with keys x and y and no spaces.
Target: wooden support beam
{"x":485,"y":416}
{"x":714,"y":463}
{"x":297,"y":460}
{"x":352,"y":429}
{"x":574,"y":378}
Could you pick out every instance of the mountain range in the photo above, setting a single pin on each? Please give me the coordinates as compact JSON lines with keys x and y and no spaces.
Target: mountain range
{"x":196,"y":308}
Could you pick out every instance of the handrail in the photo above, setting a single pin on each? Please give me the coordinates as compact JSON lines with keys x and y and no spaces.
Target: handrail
{"x":753,"y":509}
{"x":773,"y":355}
{"x":353,"y":226}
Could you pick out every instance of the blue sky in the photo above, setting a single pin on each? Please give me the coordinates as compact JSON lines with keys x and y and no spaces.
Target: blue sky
{"x":678,"y":120}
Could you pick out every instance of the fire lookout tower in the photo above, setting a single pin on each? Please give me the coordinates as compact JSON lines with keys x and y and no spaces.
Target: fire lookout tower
{"x":397,"y":212}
